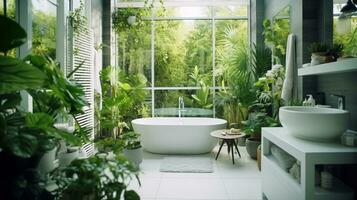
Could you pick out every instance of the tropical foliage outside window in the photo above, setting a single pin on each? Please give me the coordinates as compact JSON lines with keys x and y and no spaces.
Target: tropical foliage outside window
{"x":183,"y":51}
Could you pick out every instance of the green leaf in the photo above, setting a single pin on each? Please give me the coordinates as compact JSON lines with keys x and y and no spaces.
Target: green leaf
{"x":131,"y":195}
{"x":9,"y":101}
{"x":13,"y":36}
{"x":16,"y":75}
{"x":39,"y":120}
{"x":22,"y":145}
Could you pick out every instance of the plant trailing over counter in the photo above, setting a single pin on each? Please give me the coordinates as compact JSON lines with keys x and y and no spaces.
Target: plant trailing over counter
{"x":25,"y":137}
{"x":98,"y":177}
{"x":77,"y":18}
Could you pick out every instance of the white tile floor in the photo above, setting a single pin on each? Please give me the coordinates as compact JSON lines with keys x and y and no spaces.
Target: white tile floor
{"x":241,"y":181}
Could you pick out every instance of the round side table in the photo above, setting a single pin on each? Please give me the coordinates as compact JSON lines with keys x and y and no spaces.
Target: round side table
{"x":229,"y":140}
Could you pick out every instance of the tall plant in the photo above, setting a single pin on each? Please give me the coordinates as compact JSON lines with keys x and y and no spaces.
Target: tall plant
{"x":241,"y":67}
{"x":123,"y":100}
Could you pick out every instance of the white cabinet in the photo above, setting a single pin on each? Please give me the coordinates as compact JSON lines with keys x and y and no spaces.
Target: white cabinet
{"x":278,"y":184}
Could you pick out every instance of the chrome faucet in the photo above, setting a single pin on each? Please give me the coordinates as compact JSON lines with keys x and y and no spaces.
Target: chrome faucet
{"x":341,"y":101}
{"x":181,"y":107}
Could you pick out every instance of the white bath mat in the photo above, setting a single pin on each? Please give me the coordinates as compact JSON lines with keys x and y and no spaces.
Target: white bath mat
{"x":186,"y":165}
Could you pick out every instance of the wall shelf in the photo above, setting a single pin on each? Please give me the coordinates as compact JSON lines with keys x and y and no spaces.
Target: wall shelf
{"x":346,"y":65}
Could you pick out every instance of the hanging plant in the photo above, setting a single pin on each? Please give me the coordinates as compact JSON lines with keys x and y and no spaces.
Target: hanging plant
{"x":77,"y":18}
{"x":126,"y":18}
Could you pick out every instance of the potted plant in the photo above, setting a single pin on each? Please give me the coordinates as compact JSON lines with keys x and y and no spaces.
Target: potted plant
{"x":335,"y":52}
{"x":318,"y":53}
{"x":252,"y":128}
{"x":132,"y":147}
{"x":97,"y":177}
{"x":26,"y":137}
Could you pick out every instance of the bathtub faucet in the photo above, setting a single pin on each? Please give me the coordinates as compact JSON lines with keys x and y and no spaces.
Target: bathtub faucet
{"x":181,"y":107}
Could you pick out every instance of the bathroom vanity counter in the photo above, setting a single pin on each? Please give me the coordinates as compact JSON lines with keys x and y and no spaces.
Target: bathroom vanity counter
{"x":277,"y":182}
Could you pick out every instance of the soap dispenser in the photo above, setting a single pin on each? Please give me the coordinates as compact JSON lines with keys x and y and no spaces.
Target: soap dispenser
{"x":311,"y":100}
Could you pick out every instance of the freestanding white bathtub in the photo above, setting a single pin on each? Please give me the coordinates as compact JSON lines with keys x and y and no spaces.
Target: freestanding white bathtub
{"x":173,"y":135}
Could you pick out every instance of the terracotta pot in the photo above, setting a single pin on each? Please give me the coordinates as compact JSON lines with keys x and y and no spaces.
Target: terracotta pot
{"x":251,"y":145}
{"x":259,"y":157}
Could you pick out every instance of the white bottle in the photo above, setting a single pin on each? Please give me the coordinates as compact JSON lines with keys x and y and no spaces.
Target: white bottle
{"x":304,"y":103}
{"x":311,"y":100}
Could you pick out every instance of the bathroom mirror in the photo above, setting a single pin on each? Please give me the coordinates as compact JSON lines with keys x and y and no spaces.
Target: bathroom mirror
{"x":280,"y":31}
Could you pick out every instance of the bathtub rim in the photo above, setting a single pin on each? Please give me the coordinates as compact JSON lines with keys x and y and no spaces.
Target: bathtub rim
{"x":215,"y":121}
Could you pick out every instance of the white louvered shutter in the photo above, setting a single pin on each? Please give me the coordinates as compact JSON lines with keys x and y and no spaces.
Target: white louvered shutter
{"x":80,"y":50}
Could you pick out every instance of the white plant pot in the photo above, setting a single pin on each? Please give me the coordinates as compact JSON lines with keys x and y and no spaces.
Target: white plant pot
{"x":48,"y":161}
{"x":317,"y":58}
{"x":134,"y":155}
{"x":66,"y":158}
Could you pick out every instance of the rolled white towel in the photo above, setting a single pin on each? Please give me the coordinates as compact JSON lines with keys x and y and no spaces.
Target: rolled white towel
{"x":285,"y":160}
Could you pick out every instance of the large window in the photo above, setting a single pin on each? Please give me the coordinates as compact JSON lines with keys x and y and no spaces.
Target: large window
{"x":182,"y":52}
{"x":345,"y":30}
{"x":44,"y":27}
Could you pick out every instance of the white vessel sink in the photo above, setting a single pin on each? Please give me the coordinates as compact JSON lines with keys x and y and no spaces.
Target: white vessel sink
{"x":313,"y":123}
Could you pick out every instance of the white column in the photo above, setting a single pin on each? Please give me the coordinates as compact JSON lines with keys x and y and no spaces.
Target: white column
{"x":24,"y":18}
{"x":62,"y":13}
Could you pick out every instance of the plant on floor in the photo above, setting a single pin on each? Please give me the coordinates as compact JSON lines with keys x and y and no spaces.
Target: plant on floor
{"x":25,"y":136}
{"x":97,"y":177}
{"x":132,"y":147}
{"x":252,"y":127}
{"x":123,"y":100}
{"x":243,"y":68}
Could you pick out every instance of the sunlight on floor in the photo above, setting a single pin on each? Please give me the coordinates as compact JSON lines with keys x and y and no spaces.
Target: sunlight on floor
{"x":241,"y":181}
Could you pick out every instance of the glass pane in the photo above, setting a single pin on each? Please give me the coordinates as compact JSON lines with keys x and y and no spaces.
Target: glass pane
{"x":192,"y":11}
{"x":231,"y":47}
{"x":44,"y":28}
{"x":10,"y":8}
{"x":198,"y":103}
{"x":183,"y":53}
{"x":134,"y":50}
{"x":230,"y":11}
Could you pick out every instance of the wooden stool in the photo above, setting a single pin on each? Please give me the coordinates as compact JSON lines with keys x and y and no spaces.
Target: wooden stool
{"x":229,"y":140}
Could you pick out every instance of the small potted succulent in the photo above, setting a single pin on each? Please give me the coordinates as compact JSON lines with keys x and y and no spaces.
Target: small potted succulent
{"x":252,"y":128}
{"x":132,"y":147}
{"x":318,"y":53}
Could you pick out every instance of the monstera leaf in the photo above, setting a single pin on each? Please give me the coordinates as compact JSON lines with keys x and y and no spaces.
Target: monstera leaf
{"x":13,"y":36}
{"x":16,"y":75}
